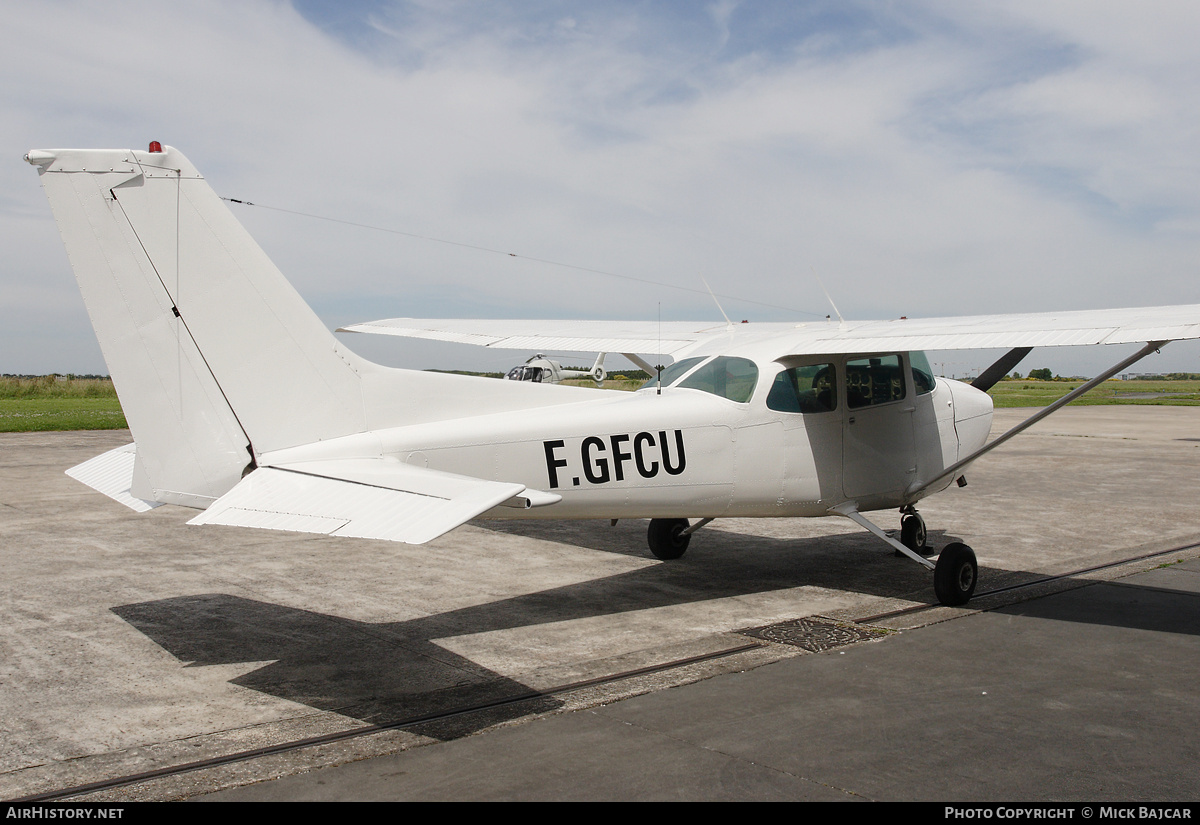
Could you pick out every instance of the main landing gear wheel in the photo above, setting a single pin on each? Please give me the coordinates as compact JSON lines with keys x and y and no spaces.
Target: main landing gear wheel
{"x":666,"y":538}
{"x":955,"y":575}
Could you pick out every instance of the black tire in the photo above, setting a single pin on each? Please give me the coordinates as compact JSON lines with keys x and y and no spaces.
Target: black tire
{"x":912,"y":532}
{"x":666,"y":538}
{"x":955,"y":575}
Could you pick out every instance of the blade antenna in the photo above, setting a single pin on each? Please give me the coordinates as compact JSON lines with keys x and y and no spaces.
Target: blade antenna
{"x":841,"y":320}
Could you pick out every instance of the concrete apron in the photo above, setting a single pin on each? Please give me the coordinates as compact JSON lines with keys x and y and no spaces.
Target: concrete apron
{"x":131,"y":642}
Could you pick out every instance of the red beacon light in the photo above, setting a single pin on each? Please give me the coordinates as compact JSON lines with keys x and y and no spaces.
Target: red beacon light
{"x":155,"y":146}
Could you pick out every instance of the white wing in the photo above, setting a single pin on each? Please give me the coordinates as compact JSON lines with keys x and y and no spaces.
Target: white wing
{"x":1040,"y":329}
{"x":667,"y":338}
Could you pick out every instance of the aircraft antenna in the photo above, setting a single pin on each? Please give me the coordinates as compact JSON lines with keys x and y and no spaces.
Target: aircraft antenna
{"x":841,"y":320}
{"x":507,"y":254}
{"x":658,"y":368}
{"x":715,"y":301}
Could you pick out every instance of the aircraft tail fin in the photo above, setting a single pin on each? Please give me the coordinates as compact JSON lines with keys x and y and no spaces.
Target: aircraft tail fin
{"x":214,"y":355}
{"x":216,"y":358}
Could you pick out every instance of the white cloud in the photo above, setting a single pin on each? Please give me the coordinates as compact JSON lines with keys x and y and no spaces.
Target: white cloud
{"x":953,"y":159}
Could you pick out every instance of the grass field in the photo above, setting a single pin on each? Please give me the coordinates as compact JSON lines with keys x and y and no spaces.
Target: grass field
{"x":58,"y":403}
{"x":1043,"y":393}
{"x":63,"y":403}
{"x":610,"y":384}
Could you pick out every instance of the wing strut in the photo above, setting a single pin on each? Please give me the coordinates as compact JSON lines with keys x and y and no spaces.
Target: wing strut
{"x":958,"y":466}
{"x":640,"y":363}
{"x":850,"y":511}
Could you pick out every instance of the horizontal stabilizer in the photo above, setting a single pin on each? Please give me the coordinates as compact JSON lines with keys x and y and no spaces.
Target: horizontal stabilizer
{"x":111,"y":473}
{"x":361,"y":498}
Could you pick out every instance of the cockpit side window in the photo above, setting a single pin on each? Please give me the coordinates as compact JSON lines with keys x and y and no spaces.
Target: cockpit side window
{"x":922,"y":374}
{"x":876,"y":380}
{"x":728,"y":377}
{"x":807,"y":389}
{"x":527,"y":373}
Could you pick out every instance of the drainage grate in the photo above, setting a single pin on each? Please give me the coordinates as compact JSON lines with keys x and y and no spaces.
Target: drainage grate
{"x":815,"y":633}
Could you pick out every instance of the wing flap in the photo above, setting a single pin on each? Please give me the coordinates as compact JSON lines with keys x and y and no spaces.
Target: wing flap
{"x":361,"y":498}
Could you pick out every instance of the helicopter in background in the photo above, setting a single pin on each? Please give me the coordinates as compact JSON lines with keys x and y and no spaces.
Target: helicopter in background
{"x":542,"y":370}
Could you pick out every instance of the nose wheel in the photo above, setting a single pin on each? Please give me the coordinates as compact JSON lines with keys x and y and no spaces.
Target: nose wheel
{"x":912,"y":532}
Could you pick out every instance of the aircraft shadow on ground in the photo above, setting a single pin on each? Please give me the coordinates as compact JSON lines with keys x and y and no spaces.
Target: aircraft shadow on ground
{"x":1125,"y":604}
{"x":356,"y":669}
{"x":853,"y":562}
{"x":394,"y":672}
{"x":387,"y":673}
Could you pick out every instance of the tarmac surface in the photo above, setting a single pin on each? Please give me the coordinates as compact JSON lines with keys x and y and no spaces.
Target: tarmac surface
{"x":131,"y":643}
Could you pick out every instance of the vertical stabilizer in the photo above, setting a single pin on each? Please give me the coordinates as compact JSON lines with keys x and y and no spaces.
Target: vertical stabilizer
{"x":214,"y":355}
{"x":216,"y":358}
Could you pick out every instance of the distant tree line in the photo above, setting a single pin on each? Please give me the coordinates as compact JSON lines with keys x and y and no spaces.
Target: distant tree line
{"x":1045,"y":374}
{"x":70,"y":376}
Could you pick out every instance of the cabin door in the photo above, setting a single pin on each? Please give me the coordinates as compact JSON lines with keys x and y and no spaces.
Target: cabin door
{"x":878,"y":446}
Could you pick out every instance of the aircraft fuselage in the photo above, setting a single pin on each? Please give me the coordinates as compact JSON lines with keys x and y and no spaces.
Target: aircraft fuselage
{"x":688,"y":453}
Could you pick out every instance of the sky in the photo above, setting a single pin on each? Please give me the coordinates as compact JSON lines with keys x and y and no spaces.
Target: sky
{"x":919,"y":159}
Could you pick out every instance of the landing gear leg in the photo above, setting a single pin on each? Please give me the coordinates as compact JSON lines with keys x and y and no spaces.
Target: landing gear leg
{"x":954,"y":575}
{"x":667,"y":538}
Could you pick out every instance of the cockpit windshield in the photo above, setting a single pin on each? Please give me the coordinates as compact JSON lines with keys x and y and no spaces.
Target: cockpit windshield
{"x":526,"y":373}
{"x":672,"y":373}
{"x":732,"y":378}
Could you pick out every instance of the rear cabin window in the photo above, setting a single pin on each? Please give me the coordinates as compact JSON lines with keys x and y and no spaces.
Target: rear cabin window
{"x":871,"y":381}
{"x":732,"y":378}
{"x":809,"y":389}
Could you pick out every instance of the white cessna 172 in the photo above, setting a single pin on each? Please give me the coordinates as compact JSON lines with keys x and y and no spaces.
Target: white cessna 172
{"x":241,"y":403}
